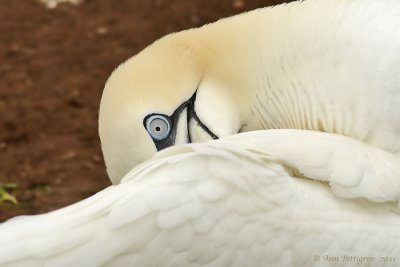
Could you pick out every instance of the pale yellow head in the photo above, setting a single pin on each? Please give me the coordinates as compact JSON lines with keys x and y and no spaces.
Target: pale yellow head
{"x":168,"y":94}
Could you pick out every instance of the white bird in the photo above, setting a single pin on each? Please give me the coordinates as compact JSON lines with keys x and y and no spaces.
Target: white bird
{"x":230,"y":202}
{"x":263,"y":198}
{"x":322,"y":65}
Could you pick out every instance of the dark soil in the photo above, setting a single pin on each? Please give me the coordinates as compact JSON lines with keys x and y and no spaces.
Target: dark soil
{"x":53,"y":65}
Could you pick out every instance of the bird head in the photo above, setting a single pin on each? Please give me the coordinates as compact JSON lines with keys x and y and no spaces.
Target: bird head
{"x":173,"y":92}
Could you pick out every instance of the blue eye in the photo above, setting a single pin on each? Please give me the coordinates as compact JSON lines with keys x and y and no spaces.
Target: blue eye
{"x":158,"y":127}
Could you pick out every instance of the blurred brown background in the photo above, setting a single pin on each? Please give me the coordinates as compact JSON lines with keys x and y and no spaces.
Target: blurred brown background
{"x":53,"y":66}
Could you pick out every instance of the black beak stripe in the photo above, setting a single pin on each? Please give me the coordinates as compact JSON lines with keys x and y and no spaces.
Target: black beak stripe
{"x":191,"y":113}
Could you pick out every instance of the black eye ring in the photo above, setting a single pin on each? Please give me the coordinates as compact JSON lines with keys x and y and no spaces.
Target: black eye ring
{"x":158,"y":126}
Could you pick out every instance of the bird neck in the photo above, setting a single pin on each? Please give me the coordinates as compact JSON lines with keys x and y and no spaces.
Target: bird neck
{"x":283,"y":65}
{"x":251,"y":54}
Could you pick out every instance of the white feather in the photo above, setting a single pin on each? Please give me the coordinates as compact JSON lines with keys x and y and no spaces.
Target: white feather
{"x":231,"y":202}
{"x":321,"y":65}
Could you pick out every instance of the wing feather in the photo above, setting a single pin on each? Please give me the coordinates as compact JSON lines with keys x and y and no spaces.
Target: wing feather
{"x":233,"y":202}
{"x":352,"y":168}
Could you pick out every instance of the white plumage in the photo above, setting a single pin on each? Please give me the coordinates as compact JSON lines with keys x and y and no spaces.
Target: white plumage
{"x":229,"y":202}
{"x":322,"y":65}
{"x":266,"y":198}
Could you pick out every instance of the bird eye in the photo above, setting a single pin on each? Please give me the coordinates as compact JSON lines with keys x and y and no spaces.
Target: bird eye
{"x":158,"y":127}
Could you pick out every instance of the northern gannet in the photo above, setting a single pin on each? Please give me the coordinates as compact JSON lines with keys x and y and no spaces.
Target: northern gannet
{"x":327,"y":69}
{"x":321,"y":65}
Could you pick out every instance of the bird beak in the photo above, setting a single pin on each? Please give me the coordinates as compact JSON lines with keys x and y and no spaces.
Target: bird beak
{"x":188,"y":128}
{"x":196,"y":129}
{"x":182,"y":136}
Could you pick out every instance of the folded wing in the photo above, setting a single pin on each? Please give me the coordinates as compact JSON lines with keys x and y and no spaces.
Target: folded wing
{"x":226,"y":203}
